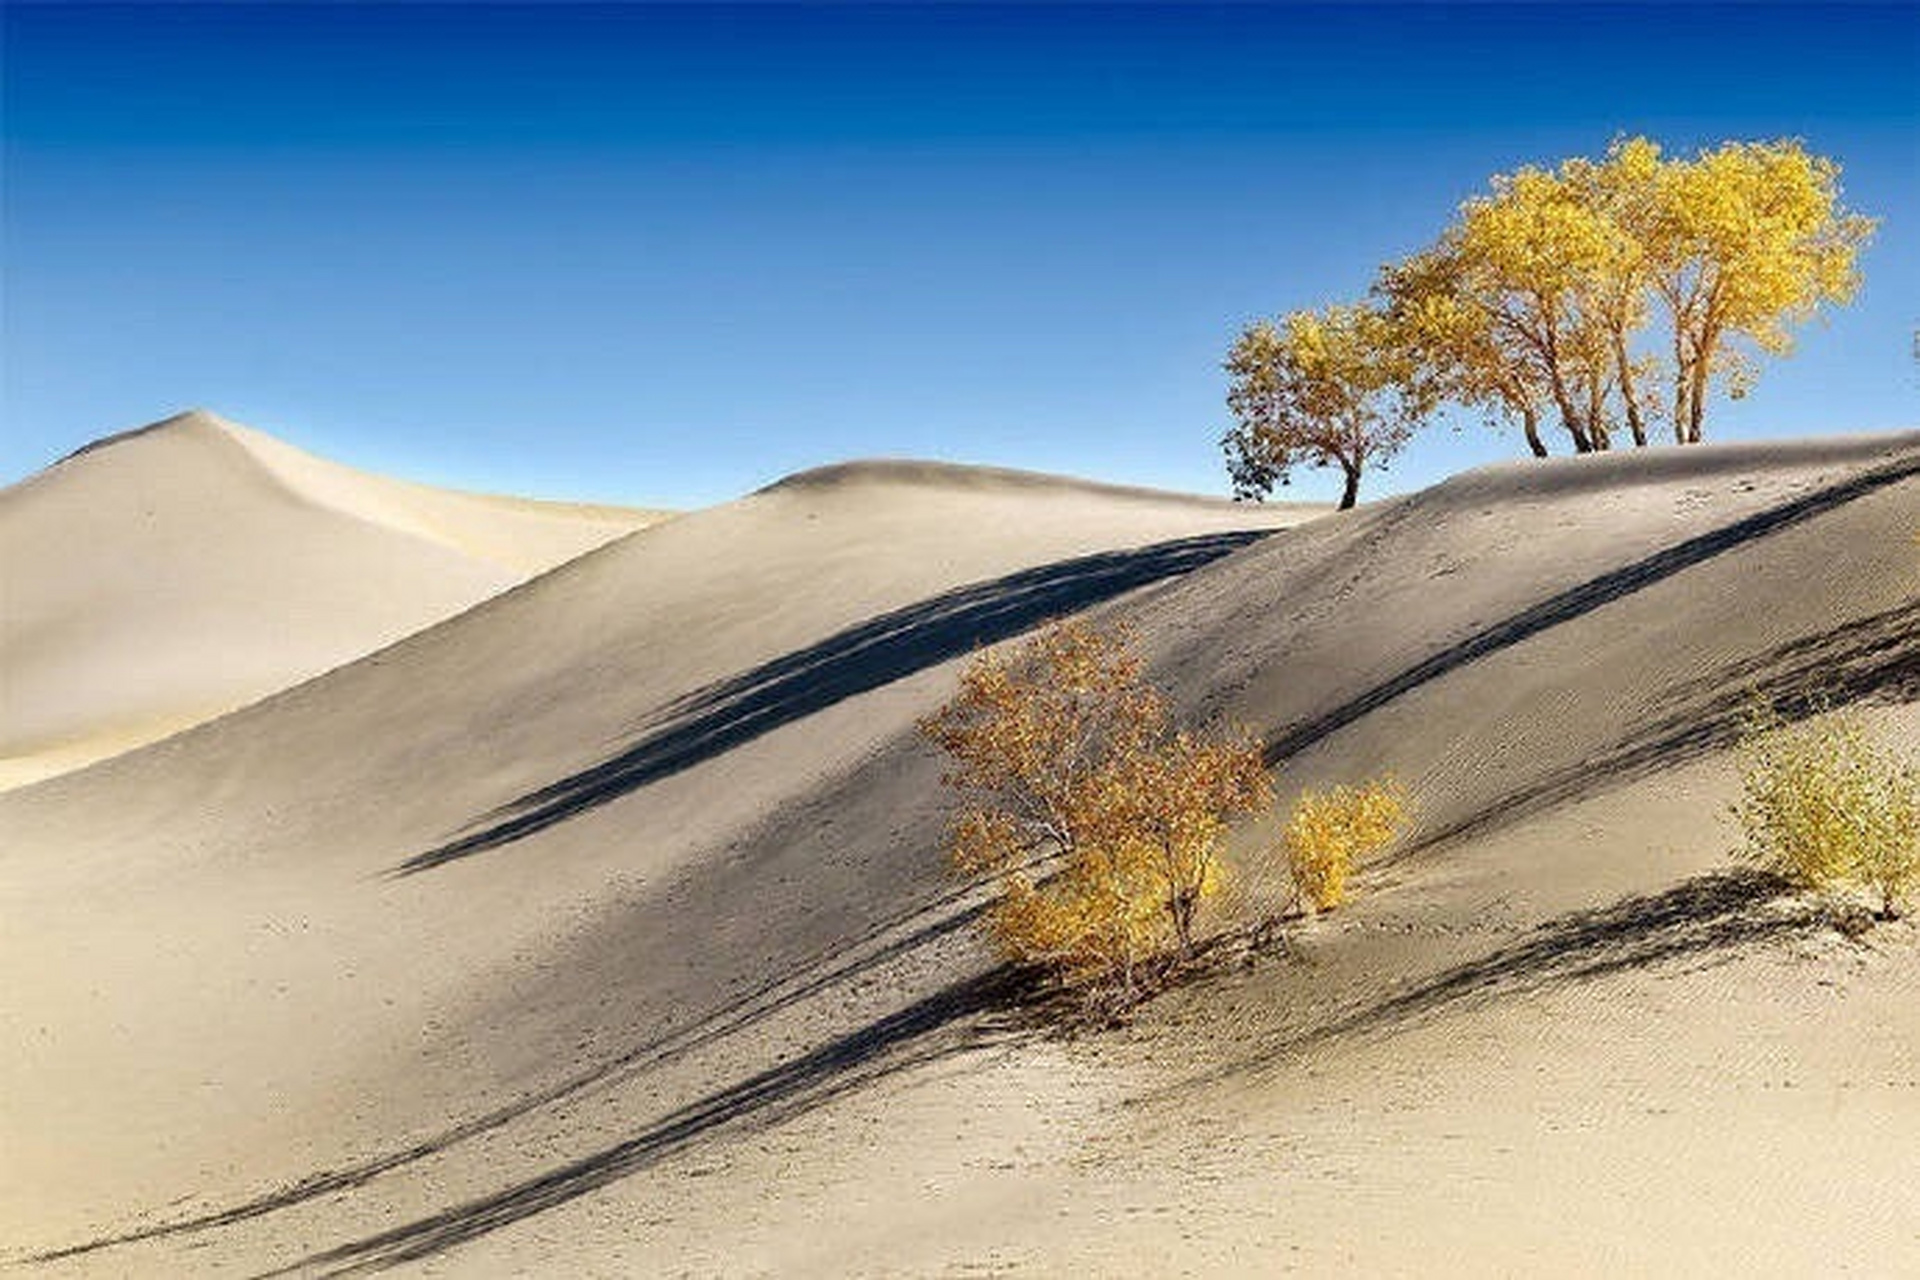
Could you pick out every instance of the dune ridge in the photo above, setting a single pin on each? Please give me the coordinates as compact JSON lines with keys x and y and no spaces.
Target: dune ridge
{"x":952,"y":475}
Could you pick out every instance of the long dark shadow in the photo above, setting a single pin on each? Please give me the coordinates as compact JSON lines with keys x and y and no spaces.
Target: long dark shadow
{"x":905,"y":1039}
{"x":731,"y":712}
{"x":1875,"y":658}
{"x":844,"y":963}
{"x":1588,"y":596}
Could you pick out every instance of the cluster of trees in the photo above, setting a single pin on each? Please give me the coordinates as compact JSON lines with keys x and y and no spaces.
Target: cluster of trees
{"x":1599,"y":299}
{"x":1101,"y":823}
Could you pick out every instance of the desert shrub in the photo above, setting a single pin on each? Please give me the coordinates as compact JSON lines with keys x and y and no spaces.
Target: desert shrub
{"x":1100,"y":823}
{"x":1821,"y":803}
{"x":1328,"y":831}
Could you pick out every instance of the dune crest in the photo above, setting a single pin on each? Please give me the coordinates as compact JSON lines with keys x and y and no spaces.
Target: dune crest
{"x":168,"y":574}
{"x":922,"y":473}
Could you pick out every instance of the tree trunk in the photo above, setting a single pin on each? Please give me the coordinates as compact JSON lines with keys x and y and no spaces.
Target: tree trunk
{"x":1352,"y":493}
{"x":1636,"y":423}
{"x":1682,"y":377}
{"x":1598,"y":429}
{"x":1569,"y":416}
{"x":1697,"y":395}
{"x":1530,"y":423}
{"x":1182,"y":905}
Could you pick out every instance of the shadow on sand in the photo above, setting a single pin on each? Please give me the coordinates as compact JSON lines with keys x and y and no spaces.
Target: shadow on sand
{"x":1702,"y":919}
{"x":703,"y":724}
{"x":843,"y":966}
{"x":935,"y":1027}
{"x":724,"y":715}
{"x":1590,"y":595}
{"x":1871,"y":659}
{"x":1697,"y":919}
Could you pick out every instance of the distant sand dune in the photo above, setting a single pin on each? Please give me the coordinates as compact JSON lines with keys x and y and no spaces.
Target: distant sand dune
{"x":170,"y":574}
{"x":601,"y":928}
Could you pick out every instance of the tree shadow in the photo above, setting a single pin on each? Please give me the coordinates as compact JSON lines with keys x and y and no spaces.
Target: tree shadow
{"x":728,"y":713}
{"x":922,"y":922}
{"x":1588,"y":596}
{"x":1708,"y":916}
{"x":1874,"y":658}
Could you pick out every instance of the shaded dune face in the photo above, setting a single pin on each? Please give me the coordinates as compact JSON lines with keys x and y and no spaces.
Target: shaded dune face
{"x":168,"y":575}
{"x":636,"y":865}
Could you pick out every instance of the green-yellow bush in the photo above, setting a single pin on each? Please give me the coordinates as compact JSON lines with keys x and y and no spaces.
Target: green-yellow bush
{"x":1823,"y":804}
{"x":1328,"y":831}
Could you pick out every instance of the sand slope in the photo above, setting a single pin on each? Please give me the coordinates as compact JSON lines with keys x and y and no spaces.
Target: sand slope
{"x":289,"y":846}
{"x":600,"y":929}
{"x":167,"y":575}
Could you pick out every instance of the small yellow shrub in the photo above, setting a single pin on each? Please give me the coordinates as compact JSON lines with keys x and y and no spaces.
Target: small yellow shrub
{"x":1328,"y":831}
{"x":1821,"y":803}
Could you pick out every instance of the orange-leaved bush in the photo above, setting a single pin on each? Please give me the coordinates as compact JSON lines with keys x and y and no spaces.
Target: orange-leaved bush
{"x":1328,"y":831}
{"x":1100,"y":821}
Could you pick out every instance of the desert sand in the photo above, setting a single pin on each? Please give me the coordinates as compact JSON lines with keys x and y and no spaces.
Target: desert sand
{"x":172,"y":573}
{"x":601,"y":929}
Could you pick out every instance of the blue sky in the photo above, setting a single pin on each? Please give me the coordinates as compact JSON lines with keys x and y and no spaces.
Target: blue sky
{"x":664,"y":255}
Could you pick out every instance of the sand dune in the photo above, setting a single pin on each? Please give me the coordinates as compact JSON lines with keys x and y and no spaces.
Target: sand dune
{"x":170,"y":574}
{"x":600,"y":929}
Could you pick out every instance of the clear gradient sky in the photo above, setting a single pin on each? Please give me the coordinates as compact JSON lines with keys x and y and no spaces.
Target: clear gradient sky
{"x":664,"y":255}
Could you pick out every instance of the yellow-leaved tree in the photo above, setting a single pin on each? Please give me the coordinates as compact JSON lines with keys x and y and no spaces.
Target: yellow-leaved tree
{"x":1616,"y":292}
{"x":1743,"y":241}
{"x":1474,"y":358}
{"x":1526,"y":303}
{"x":1337,"y":387}
{"x":1099,"y":821}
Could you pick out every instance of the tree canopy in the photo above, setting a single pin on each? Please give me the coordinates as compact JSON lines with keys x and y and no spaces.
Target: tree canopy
{"x":1542,"y":294}
{"x":1331,"y":388}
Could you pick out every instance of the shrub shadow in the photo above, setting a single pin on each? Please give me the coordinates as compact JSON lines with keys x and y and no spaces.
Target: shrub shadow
{"x":937,"y":1026}
{"x":844,"y":965}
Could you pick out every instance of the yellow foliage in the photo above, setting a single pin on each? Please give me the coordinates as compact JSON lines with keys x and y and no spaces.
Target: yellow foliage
{"x":1337,"y":387}
{"x":1536,"y":297}
{"x":1821,"y":803}
{"x":1745,"y":239}
{"x":1101,"y":823}
{"x":1329,"y":831}
{"x":1548,"y":279}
